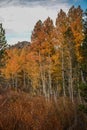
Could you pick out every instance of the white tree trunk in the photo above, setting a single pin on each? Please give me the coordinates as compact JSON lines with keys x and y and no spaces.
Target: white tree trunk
{"x":63,"y":78}
{"x":70,"y":79}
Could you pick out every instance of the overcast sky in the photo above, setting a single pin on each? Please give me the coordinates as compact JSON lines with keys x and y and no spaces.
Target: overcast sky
{"x":19,"y":16}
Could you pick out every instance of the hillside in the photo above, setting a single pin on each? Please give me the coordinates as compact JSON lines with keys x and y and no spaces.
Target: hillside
{"x":20,"y":45}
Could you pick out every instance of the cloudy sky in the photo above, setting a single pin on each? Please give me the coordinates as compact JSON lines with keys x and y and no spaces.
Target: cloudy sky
{"x":19,"y":16}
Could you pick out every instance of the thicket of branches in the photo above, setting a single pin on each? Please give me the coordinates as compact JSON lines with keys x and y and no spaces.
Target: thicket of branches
{"x":20,"y":111}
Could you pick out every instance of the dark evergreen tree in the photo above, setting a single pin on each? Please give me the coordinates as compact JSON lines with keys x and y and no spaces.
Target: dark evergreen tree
{"x":84,"y":47}
{"x":3,"y":43}
{"x":83,"y":85}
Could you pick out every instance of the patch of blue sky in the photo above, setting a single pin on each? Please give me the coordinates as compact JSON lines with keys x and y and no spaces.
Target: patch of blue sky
{"x":82,"y":3}
{"x":14,"y":38}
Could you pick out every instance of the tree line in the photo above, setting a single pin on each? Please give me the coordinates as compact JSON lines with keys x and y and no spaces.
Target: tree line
{"x":54,"y":64}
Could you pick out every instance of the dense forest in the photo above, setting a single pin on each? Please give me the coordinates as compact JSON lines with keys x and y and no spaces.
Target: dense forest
{"x":50,"y":70}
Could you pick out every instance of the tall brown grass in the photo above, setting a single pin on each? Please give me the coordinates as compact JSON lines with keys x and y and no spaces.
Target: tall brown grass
{"x":20,"y":111}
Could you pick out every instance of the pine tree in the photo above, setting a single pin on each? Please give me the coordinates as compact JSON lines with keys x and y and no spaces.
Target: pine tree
{"x":3,"y":43}
{"x":84,"y":47}
{"x":83,"y":85}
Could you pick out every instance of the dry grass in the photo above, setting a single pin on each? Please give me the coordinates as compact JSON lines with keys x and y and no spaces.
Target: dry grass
{"x":19,"y":111}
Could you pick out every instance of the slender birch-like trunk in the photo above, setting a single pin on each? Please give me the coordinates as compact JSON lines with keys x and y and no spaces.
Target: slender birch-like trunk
{"x":63,"y":78}
{"x":24,"y":78}
{"x":13,"y":81}
{"x":16,"y":81}
{"x":82,"y":78}
{"x":50,"y":78}
{"x":70,"y":79}
{"x":42,"y":73}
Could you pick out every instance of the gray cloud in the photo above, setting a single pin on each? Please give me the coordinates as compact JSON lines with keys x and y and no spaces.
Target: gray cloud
{"x":1,"y":19}
{"x":18,"y":22}
{"x":5,"y":3}
{"x":10,"y":31}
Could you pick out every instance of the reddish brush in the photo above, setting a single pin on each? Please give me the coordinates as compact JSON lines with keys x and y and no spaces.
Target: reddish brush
{"x":19,"y":111}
